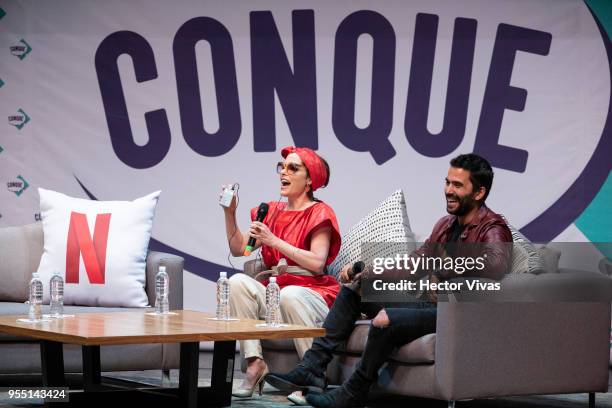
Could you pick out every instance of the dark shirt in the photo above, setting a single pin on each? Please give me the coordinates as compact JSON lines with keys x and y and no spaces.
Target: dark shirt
{"x":453,"y":236}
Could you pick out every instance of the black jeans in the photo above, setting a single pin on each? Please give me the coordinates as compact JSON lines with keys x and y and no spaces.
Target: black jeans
{"x":408,"y":322}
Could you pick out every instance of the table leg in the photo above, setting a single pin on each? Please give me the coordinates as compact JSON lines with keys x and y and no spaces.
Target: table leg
{"x":92,"y":376}
{"x":223,"y":371}
{"x":52,"y":363}
{"x":188,"y":374}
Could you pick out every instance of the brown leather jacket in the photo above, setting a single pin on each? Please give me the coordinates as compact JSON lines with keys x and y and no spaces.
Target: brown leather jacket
{"x":487,"y":228}
{"x":487,"y":235}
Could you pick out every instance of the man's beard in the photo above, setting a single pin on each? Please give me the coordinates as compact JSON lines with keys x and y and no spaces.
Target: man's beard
{"x":464,"y":204}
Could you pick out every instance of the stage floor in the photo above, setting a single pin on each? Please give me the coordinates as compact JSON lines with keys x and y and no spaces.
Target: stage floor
{"x":273,"y":398}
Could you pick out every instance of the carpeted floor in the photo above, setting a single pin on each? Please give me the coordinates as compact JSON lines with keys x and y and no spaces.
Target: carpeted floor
{"x":273,"y":398}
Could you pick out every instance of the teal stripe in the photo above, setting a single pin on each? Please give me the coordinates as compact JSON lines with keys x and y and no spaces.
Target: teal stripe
{"x":596,"y":221}
{"x":603,"y":11}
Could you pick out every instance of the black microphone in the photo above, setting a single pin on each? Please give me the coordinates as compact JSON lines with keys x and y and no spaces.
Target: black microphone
{"x":262,"y":211}
{"x":357,"y":268}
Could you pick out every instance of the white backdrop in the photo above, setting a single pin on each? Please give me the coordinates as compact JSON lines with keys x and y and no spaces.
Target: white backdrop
{"x":566,"y":104}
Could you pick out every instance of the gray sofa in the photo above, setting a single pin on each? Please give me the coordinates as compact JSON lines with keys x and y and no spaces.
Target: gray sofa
{"x":492,"y":349}
{"x":20,"y":252}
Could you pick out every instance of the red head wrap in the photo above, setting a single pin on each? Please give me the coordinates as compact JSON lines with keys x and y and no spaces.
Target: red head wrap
{"x":312,"y":161}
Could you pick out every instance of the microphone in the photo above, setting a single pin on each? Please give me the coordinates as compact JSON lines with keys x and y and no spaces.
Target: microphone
{"x":357,"y":268}
{"x":262,"y":211}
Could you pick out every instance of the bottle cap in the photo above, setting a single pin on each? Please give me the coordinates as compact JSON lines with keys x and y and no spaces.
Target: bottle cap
{"x":223,"y":274}
{"x":272,"y":279}
{"x":162,"y":268}
{"x":35,"y":275}
{"x":56,"y":272}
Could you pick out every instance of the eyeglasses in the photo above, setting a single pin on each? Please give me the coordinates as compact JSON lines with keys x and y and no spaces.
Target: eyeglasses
{"x":290,"y":168}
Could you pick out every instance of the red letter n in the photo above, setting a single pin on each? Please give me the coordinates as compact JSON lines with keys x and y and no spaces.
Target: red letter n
{"x":80,"y":243}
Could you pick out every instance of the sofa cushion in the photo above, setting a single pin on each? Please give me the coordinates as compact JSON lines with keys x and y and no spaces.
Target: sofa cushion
{"x":24,"y":358}
{"x":525,"y":256}
{"x":15,"y":308}
{"x":99,"y":246}
{"x":20,"y":252}
{"x":278,"y":344}
{"x":550,"y":256}
{"x":419,"y":351}
{"x":388,"y":223}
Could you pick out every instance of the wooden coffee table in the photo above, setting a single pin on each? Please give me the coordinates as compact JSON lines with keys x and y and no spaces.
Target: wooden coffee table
{"x":91,"y":330}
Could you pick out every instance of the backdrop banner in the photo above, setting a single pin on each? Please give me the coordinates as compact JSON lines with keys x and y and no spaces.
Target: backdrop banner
{"x":113,"y":100}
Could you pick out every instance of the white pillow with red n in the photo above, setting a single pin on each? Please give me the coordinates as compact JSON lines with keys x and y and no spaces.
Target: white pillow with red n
{"x":99,"y":247}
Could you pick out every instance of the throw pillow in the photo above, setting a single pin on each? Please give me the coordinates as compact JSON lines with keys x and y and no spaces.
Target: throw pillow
{"x":385,"y":230}
{"x":550,"y":257}
{"x":99,"y":247}
{"x":525,"y":256}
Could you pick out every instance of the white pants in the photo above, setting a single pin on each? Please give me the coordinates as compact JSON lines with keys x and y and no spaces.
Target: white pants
{"x":298,"y":305}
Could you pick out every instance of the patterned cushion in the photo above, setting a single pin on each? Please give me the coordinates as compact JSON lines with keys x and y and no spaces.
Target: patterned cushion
{"x":387,"y":224}
{"x":525,"y":256}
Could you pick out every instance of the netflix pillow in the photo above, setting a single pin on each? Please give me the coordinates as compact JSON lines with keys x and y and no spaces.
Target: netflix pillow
{"x":99,"y":247}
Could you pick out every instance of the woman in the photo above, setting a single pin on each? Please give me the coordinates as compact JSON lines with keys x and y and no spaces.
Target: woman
{"x":304,"y":231}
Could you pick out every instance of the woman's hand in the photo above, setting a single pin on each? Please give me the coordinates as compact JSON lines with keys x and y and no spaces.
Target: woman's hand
{"x":233,"y":204}
{"x":262,"y":233}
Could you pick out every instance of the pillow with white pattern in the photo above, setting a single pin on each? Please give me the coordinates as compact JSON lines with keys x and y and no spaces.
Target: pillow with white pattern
{"x":384,"y":232}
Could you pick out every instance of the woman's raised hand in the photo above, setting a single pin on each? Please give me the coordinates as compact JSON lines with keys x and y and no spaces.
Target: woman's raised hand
{"x":233,"y":204}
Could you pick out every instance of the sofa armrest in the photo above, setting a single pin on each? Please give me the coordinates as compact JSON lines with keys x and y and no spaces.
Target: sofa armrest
{"x":518,"y":348}
{"x":174,"y":268}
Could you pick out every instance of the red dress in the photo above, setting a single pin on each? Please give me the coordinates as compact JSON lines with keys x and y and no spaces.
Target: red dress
{"x":296,"y":228}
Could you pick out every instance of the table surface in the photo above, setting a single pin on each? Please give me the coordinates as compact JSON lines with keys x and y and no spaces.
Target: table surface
{"x":137,"y":327}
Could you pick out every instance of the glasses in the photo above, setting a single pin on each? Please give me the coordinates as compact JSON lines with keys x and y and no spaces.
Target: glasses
{"x":290,"y":168}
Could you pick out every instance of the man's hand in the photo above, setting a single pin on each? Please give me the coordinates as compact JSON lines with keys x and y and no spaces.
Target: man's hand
{"x":344,"y":273}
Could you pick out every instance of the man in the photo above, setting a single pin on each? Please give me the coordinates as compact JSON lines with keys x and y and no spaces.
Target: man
{"x":467,"y":186}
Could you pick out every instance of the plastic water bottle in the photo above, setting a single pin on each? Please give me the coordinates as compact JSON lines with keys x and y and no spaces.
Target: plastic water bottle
{"x":273,"y":315}
{"x":36,"y":297}
{"x":57,"y":295}
{"x":223,"y":293}
{"x":162,"y":287}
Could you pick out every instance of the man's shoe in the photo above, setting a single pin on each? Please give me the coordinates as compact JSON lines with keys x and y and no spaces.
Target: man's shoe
{"x":298,"y":379}
{"x":336,"y":398}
